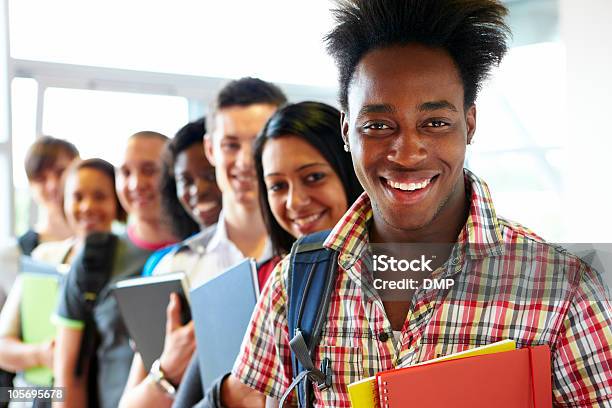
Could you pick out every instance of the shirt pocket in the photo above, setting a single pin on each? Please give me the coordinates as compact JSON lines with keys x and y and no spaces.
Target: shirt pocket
{"x":346,"y":367}
{"x":443,"y":347}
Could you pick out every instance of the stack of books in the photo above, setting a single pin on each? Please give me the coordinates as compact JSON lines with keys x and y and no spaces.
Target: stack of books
{"x":493,"y":375}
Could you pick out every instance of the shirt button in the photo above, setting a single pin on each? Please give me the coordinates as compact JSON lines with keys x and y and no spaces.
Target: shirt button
{"x":383,"y":336}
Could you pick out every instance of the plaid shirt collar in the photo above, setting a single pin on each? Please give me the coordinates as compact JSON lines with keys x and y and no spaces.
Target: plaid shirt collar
{"x":481,"y":235}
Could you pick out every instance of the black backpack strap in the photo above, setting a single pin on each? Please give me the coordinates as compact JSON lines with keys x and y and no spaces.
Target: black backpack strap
{"x":28,"y":242}
{"x":93,"y":268}
{"x":310,"y":283}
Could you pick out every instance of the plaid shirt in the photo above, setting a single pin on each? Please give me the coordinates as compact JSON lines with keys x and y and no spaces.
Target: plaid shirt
{"x":509,"y":284}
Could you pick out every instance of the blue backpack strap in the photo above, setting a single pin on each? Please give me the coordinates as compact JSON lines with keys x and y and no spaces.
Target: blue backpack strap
{"x":310,"y":283}
{"x":156,"y":257}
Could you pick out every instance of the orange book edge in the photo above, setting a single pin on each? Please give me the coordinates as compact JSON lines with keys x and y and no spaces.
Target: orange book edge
{"x":364,"y":393}
{"x":539,"y":364}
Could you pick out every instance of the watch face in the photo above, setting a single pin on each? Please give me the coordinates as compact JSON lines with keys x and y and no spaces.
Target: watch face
{"x":156,"y":370}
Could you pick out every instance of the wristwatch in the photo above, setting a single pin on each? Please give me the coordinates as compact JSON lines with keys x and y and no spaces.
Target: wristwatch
{"x":157,"y":375}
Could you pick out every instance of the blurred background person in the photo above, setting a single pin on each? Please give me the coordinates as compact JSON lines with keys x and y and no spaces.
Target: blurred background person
{"x":190,"y":197}
{"x":192,"y":178}
{"x":44,"y":164}
{"x":90,"y":204}
{"x":93,"y":355}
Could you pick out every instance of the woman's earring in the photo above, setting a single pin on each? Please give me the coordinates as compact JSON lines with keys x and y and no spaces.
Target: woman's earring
{"x":347,"y":148}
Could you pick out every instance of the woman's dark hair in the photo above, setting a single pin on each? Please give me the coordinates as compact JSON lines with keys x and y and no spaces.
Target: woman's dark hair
{"x":473,"y":32}
{"x":103,"y":167}
{"x":43,"y":154}
{"x":173,"y":213}
{"x":319,"y":125}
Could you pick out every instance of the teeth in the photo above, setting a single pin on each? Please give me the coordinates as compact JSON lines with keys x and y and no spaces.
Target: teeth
{"x":410,"y":186}
{"x":206,"y":206}
{"x":243,"y":178}
{"x":306,"y":220}
{"x":90,"y":221}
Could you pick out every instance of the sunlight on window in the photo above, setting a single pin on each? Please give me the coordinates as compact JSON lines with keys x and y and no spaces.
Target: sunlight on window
{"x":519,"y":145}
{"x":24,"y":92}
{"x":99,"y":122}
{"x":24,"y":95}
{"x":277,"y":40}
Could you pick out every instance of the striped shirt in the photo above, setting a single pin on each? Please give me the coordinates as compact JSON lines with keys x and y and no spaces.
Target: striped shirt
{"x":509,"y":284}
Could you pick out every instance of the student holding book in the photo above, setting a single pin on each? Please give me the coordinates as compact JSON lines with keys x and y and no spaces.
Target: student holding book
{"x":92,"y":353}
{"x":237,"y":115}
{"x":306,"y":184}
{"x":90,"y":204}
{"x":410,"y":71}
{"x":45,"y":162}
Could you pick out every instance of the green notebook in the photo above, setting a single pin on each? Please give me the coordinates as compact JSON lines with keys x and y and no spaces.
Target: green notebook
{"x":38,"y":303}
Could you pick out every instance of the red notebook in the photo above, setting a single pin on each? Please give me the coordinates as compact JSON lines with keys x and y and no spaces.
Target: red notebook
{"x":511,"y":379}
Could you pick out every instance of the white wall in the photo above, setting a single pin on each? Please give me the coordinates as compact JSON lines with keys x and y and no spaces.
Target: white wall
{"x":587,"y":34}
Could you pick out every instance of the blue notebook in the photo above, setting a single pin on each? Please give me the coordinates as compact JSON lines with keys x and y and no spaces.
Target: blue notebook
{"x":221,"y":310}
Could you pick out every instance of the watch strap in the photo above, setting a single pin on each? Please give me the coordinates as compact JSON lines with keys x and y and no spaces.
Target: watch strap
{"x":157,"y":375}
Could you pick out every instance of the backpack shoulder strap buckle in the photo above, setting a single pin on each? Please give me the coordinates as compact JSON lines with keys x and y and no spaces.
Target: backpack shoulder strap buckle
{"x":327,"y":375}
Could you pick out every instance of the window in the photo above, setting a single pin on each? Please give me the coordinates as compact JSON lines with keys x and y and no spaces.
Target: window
{"x":24,"y":94}
{"x":278,"y":40}
{"x":519,"y":145}
{"x":99,"y":122}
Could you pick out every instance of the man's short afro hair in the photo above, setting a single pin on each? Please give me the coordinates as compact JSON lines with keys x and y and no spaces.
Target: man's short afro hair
{"x":473,"y":32}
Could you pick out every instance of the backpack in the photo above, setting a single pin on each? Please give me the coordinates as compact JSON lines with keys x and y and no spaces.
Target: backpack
{"x":93,"y":268}
{"x":310,"y":283}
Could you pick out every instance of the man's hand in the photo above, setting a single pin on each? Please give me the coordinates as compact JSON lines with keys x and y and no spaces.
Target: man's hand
{"x":237,"y":395}
{"x":179,"y":344}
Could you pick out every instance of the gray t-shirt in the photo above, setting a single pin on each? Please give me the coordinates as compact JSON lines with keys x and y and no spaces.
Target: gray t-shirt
{"x":114,"y":354}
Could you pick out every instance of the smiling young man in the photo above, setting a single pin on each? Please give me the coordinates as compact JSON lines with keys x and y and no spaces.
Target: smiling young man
{"x":410,"y":71}
{"x":138,"y":190}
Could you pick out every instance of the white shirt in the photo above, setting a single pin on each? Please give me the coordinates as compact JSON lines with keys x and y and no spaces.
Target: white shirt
{"x":205,"y":255}
{"x":9,"y":261}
